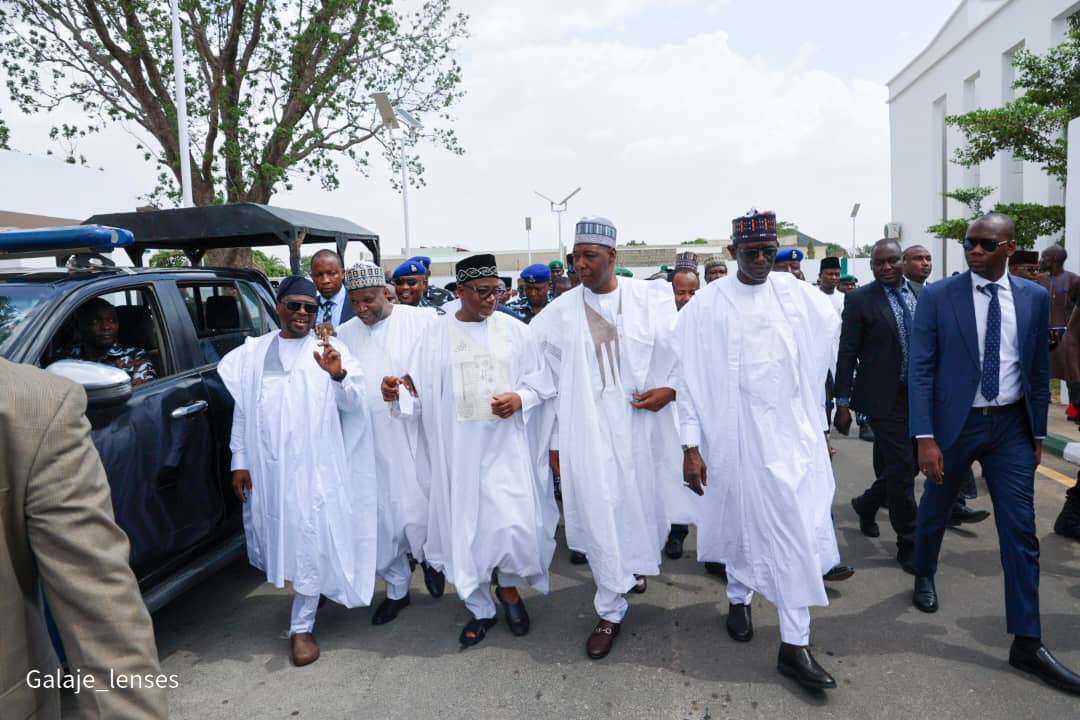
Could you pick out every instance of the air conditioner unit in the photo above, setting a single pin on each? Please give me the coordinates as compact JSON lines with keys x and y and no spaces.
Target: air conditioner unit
{"x":892,"y":231}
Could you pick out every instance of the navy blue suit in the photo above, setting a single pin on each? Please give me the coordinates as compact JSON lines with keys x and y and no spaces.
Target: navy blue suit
{"x":943,"y":382}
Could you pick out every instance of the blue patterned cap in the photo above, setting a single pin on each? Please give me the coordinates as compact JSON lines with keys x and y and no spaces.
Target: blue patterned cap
{"x":594,"y":231}
{"x":536,"y":273}
{"x":409,"y":267}
{"x":789,"y":254}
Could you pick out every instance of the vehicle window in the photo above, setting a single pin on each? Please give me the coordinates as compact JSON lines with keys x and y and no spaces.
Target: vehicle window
{"x":18,"y":303}
{"x":256,"y":307}
{"x":221,"y":319}
{"x":121,"y":328}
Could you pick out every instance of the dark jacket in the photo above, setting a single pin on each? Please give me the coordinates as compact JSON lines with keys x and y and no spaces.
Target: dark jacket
{"x":869,"y":340}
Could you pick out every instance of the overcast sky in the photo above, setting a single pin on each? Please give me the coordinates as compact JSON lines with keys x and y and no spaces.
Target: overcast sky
{"x":672,"y":115}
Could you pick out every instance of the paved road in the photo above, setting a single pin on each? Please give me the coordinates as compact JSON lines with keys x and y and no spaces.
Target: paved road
{"x":225,"y":640}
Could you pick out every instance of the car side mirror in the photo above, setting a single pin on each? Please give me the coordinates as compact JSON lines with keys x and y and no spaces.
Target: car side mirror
{"x":105,"y":385}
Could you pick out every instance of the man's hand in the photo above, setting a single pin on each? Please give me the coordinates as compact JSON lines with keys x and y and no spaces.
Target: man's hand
{"x":390,"y":386}
{"x":842,"y":420}
{"x":654,"y":400}
{"x":1038,"y":453}
{"x":241,"y":484}
{"x":330,"y":361}
{"x":506,"y":404}
{"x":694,"y":471}
{"x":325,"y":330}
{"x":932,"y":462}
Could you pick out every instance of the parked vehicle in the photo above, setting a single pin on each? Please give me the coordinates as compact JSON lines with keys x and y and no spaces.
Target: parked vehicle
{"x":164,"y":440}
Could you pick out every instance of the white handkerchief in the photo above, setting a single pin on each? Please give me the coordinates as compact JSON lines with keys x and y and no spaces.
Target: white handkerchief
{"x":405,"y":401}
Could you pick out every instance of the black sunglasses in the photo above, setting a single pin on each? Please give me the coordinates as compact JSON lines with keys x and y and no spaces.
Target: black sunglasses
{"x":410,"y":281}
{"x":294,"y":305}
{"x":769,"y":253}
{"x":485,"y":292}
{"x":987,"y":244}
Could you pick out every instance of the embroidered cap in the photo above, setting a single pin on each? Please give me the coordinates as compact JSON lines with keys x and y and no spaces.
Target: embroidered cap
{"x":594,"y":231}
{"x":364,"y":275}
{"x":476,"y":266}
{"x":754,"y":227}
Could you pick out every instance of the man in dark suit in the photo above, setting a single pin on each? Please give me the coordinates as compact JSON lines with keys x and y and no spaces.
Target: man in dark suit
{"x":876,"y":335}
{"x":328,"y":274}
{"x":979,"y":390}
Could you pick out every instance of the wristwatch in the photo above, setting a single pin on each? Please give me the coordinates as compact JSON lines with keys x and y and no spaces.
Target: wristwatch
{"x":842,"y":402}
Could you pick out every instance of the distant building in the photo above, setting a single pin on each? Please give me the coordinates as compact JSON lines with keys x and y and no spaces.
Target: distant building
{"x":967,"y":66}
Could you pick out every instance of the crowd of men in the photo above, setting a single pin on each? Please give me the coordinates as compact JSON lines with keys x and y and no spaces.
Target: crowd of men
{"x":454,"y":433}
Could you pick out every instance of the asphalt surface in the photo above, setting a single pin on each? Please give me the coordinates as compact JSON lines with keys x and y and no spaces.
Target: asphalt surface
{"x":226,"y":641}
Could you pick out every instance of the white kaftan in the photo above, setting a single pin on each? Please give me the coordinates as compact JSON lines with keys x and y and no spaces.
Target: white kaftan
{"x":381,"y":350}
{"x":491,"y":505}
{"x":618,"y":462}
{"x":753,"y":366}
{"x":310,"y":517}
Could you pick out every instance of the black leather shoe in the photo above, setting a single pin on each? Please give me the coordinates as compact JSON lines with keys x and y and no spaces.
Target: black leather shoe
{"x":517,"y":617}
{"x":838,"y":573}
{"x":865,"y":433}
{"x":962,"y":514}
{"x":717,"y":569}
{"x":434,"y":581}
{"x":388,"y":610}
{"x":673,"y":548}
{"x":925,"y":595}
{"x":798,"y":664}
{"x":867,"y":524}
{"x":903,"y":556}
{"x":739,"y":625}
{"x":1046,"y":667}
{"x":578,"y":558}
{"x":1068,"y":520}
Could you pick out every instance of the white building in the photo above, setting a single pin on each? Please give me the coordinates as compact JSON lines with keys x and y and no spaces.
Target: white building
{"x":966,"y":66}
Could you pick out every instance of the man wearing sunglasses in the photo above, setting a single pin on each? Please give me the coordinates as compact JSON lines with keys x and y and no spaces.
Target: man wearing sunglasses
{"x":755,"y":353}
{"x":480,"y":384}
{"x":979,"y":390}
{"x":608,"y":344}
{"x":410,"y":278}
{"x":309,"y":507}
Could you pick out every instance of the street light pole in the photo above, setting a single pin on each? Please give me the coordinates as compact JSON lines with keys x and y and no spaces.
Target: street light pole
{"x":394,"y":118}
{"x":405,"y":196}
{"x":528,"y":237}
{"x":559,"y":208}
{"x":181,"y":107}
{"x":854,"y":212}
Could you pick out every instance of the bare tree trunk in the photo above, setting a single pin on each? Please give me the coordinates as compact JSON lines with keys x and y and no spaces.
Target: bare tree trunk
{"x":229,"y":257}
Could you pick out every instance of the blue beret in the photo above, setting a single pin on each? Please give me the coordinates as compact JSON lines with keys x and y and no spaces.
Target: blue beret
{"x":789,"y":254}
{"x":536,"y":273}
{"x":421,"y":259}
{"x":411,"y":266}
{"x":297,"y":285}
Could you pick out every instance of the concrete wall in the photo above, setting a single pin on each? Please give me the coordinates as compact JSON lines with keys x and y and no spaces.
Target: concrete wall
{"x":965,"y":67}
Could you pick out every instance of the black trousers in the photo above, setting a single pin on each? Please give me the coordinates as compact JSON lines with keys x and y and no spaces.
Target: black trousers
{"x":895,"y":467}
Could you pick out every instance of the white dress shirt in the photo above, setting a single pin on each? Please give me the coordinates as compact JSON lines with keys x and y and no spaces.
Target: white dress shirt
{"x":339,"y":300}
{"x":1009,"y":387}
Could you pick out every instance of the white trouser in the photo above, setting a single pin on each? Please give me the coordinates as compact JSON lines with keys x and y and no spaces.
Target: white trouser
{"x":397,"y":576}
{"x":794,"y":622}
{"x":481,"y":602}
{"x":610,"y":606}
{"x":304,"y":608}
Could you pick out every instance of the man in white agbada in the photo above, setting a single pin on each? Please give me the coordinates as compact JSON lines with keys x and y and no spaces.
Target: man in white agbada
{"x":380,"y":336}
{"x":607,"y":342}
{"x":481,"y":384}
{"x":309,"y":511}
{"x":754,"y":355}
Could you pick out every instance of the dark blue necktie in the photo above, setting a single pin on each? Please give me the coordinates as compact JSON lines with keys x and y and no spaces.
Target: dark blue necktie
{"x":905,"y":332}
{"x":991,"y":345}
{"x":328,"y":306}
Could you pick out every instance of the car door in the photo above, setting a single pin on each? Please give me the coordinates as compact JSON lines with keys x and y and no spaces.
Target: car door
{"x":156,"y":447}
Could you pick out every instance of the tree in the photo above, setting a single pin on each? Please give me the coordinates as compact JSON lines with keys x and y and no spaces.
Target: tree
{"x":305,"y":265}
{"x":834,"y":250}
{"x":810,"y":251}
{"x":269,"y":265}
{"x":783,"y":227}
{"x":695,"y":241}
{"x":5,"y":135}
{"x":275,"y":89}
{"x":1033,"y":128}
{"x":168,"y":259}
{"x":864,"y":251}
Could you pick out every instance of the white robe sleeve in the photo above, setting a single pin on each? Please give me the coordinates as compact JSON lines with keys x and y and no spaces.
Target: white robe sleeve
{"x":236,"y":441}
{"x":689,"y":423}
{"x":349,"y":393}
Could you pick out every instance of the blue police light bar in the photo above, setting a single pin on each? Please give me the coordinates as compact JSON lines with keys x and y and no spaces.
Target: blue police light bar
{"x":46,"y":242}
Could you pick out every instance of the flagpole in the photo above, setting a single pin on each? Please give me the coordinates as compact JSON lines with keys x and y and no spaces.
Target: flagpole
{"x":181,"y":106}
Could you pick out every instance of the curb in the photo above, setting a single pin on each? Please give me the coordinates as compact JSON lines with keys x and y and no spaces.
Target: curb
{"x":1063,"y":447}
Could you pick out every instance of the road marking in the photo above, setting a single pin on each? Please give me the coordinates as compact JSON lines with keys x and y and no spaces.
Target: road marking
{"x":1057,"y":477}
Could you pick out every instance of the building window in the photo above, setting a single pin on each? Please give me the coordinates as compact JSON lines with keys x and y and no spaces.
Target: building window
{"x":972,"y":175}
{"x":1012,"y":169}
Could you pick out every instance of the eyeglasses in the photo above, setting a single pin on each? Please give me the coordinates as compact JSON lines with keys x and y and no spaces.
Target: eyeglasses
{"x":294,"y":305}
{"x":410,"y":281}
{"x":987,"y":244}
{"x":483,"y":292}
{"x":769,"y":253}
